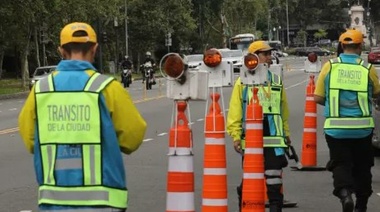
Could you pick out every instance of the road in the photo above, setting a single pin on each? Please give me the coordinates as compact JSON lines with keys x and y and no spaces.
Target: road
{"x":147,"y":168}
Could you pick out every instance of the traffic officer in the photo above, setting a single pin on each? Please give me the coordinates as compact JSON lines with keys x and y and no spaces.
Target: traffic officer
{"x":275,"y":125}
{"x":77,"y":122}
{"x":345,"y":87}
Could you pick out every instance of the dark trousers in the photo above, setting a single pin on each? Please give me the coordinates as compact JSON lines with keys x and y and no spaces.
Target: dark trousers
{"x":350,"y":163}
{"x":273,"y":175}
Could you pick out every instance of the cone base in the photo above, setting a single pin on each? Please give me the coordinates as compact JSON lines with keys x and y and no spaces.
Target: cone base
{"x":308,"y":168}
{"x":286,"y":204}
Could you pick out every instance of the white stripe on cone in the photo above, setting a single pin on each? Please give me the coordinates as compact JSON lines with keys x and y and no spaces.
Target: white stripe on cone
{"x":214,"y":171}
{"x":180,"y":201}
{"x":180,"y":163}
{"x":214,"y":202}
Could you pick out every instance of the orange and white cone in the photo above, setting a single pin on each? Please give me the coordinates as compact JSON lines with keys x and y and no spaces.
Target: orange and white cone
{"x":309,"y":141}
{"x":180,"y":179}
{"x":253,"y":195}
{"x":214,"y":195}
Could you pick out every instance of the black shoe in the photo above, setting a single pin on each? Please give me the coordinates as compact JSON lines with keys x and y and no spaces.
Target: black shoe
{"x":360,"y":210}
{"x":239,"y":192}
{"x":346,"y":200}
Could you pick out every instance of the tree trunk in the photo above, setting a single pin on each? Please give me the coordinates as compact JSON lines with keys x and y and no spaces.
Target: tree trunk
{"x":37,"y":47}
{"x":24,"y":62}
{"x":1,"y":63}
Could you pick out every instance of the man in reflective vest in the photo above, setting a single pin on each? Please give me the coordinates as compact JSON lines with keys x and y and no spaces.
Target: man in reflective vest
{"x":272,"y":97}
{"x":345,"y":87}
{"x":75,"y":122}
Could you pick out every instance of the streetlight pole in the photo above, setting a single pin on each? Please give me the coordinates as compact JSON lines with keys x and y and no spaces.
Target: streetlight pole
{"x":287,"y":23}
{"x":126,"y":28}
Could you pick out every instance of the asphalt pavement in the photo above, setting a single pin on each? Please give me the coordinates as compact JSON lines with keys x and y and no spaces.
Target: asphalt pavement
{"x":147,"y":168}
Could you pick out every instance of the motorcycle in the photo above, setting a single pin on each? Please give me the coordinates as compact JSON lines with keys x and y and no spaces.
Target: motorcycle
{"x":149,"y":75}
{"x":126,"y":77}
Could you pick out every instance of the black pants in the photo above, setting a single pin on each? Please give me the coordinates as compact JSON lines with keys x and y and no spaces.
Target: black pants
{"x":350,"y":163}
{"x":273,"y":175}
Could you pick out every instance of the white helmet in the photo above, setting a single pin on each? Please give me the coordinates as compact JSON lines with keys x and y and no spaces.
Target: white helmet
{"x":126,"y":56}
{"x":148,"y":54}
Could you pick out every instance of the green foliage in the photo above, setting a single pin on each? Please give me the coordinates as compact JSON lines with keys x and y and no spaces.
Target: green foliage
{"x":320,"y":34}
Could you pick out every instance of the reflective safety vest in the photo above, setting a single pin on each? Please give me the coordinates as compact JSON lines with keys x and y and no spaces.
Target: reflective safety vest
{"x":77,"y":115}
{"x":353,"y":78}
{"x":270,"y":100}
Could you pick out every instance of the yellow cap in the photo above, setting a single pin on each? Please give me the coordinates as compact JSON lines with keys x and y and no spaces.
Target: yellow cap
{"x":68,"y":31}
{"x":259,"y":46}
{"x":351,"y":36}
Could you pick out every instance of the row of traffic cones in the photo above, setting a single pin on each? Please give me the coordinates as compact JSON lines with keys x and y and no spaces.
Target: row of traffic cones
{"x":180,"y":182}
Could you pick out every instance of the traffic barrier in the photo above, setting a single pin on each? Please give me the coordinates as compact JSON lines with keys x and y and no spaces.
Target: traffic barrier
{"x":309,"y":142}
{"x":214,"y":195}
{"x":253,"y":195}
{"x":180,"y":179}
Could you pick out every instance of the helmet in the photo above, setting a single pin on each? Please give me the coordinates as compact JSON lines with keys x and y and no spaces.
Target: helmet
{"x":126,"y":56}
{"x":148,"y":54}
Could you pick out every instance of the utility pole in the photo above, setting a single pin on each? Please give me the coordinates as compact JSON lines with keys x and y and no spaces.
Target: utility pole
{"x":126,"y":28}
{"x":287,"y":23}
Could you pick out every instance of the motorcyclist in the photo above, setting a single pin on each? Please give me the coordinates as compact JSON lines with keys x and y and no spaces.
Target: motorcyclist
{"x":126,"y":65}
{"x":148,"y":58}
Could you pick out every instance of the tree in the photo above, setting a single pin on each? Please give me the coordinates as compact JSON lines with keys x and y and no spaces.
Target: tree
{"x":320,"y":34}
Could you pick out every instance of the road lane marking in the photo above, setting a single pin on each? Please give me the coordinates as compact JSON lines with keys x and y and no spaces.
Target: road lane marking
{"x":162,"y":134}
{"x":297,"y":84}
{"x":13,"y":109}
{"x":10,"y":130}
{"x":200,"y":119}
{"x":148,"y":139}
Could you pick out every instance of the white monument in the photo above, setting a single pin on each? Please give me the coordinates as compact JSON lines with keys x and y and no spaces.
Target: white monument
{"x":356,"y":13}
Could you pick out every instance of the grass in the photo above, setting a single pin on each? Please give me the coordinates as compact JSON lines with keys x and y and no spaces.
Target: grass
{"x":10,"y":86}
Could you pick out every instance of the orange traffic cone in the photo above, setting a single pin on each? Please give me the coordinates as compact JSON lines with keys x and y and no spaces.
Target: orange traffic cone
{"x":309,"y":142}
{"x":180,"y":181}
{"x":214,"y":173}
{"x":253,"y":197}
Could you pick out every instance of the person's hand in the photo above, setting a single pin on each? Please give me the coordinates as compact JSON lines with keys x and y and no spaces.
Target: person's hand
{"x":288,"y":141}
{"x":237,"y":146}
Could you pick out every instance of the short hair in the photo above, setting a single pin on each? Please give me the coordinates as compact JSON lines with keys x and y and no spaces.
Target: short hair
{"x":351,"y":46}
{"x":78,"y":47}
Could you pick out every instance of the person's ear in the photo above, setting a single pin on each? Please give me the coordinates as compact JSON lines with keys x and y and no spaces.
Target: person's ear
{"x":62,"y":52}
{"x":93,"y":50}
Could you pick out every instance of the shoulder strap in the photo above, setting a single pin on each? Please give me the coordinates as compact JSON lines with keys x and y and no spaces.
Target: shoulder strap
{"x":98,"y":82}
{"x":45,"y":84}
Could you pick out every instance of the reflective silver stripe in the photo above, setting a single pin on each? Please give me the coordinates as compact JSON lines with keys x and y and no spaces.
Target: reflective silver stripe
{"x":276,"y":79}
{"x":253,"y":126}
{"x":334,"y":111}
{"x":74,"y":195}
{"x":311,"y":114}
{"x":335,"y":60}
{"x":98,"y":82}
{"x":345,"y":122}
{"x":273,"y":181}
{"x":50,"y":161}
{"x":273,"y":172}
{"x":365,"y":64}
{"x":215,"y":141}
{"x":272,"y":141}
{"x":92,"y":165}
{"x":256,"y":151}
{"x":277,"y":124}
{"x":86,"y":210}
{"x":253,"y":176}
{"x":214,"y":202}
{"x":71,"y":163}
{"x":214,"y":171}
{"x":44,"y":84}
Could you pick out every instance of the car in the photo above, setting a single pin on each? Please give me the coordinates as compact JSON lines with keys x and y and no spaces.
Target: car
{"x":39,"y":73}
{"x":304,"y":51}
{"x":194,"y":60}
{"x":374,"y":56}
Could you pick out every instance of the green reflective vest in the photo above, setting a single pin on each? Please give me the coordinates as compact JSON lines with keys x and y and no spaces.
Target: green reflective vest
{"x":270,"y":100}
{"x":354,"y":78}
{"x":77,"y":115}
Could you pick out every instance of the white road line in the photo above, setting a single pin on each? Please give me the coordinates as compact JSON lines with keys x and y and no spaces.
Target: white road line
{"x":148,"y":139}
{"x":162,"y":134}
{"x":191,"y":123}
{"x":12,"y":109}
{"x":1,"y":111}
{"x":297,"y":84}
{"x":200,"y":119}
{"x":378,"y":194}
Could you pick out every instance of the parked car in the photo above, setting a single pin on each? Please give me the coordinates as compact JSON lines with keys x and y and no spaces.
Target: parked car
{"x":194,"y":60}
{"x":40,"y":73}
{"x":374,"y":55}
{"x":304,"y":51}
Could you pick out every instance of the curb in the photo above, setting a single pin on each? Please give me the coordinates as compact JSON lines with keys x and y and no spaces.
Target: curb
{"x":14,"y":95}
